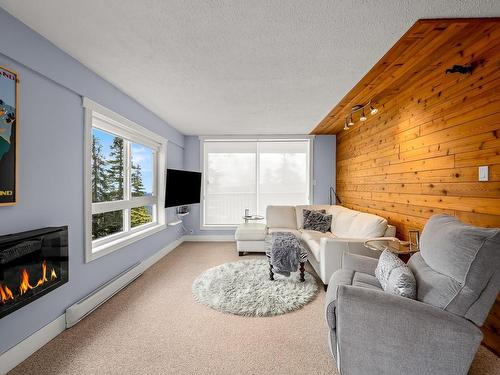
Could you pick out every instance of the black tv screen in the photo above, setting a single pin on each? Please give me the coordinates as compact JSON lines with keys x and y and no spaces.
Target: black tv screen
{"x":183,"y":187}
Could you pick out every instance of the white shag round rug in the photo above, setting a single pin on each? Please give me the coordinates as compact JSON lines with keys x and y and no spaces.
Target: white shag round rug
{"x":244,"y":288}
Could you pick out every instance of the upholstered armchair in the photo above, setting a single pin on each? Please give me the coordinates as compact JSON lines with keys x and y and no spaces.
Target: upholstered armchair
{"x":458,"y":277}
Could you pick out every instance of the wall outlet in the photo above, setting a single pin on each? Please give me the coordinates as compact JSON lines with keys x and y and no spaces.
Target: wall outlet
{"x":483,"y":173}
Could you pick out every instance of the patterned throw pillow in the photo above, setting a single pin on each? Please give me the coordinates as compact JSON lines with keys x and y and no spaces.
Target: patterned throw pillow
{"x":395,"y":276}
{"x":306,"y":213}
{"x":318,"y":221}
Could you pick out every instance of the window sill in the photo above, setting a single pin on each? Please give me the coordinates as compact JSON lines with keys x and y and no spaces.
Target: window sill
{"x":109,"y":247}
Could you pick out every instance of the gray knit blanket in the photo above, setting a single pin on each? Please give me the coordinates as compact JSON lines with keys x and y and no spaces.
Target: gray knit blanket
{"x":285,"y":253}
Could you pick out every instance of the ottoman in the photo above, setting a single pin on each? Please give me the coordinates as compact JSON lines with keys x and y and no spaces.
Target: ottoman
{"x":250,"y":237}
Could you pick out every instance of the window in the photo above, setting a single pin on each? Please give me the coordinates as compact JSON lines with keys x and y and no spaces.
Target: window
{"x":241,"y":174}
{"x":125,"y":177}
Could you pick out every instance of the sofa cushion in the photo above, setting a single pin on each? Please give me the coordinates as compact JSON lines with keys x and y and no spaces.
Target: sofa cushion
{"x":341,"y":226}
{"x":294,"y":231}
{"x":394,"y":276}
{"x":354,"y":224}
{"x":365,"y":280}
{"x":318,"y":221}
{"x":250,"y":232}
{"x":281,"y":217}
{"x":455,"y":264}
{"x":402,"y":283}
{"x":367,"y":225}
{"x":433,"y":287}
{"x":312,"y":207}
{"x":386,"y":263}
{"x":306,"y":213}
{"x":312,"y":239}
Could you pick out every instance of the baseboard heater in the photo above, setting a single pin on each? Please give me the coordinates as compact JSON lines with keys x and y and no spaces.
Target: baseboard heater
{"x":86,"y":305}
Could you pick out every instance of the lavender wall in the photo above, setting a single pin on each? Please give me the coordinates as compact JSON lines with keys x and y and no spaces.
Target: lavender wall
{"x":51,"y":167}
{"x":323,"y":170}
{"x":324,"y":167}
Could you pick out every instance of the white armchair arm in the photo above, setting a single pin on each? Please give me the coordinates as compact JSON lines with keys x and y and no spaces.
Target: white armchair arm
{"x":332,"y":250}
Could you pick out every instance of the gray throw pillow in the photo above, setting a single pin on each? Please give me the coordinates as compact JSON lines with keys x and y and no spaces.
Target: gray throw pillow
{"x":318,"y":222}
{"x":395,"y":276}
{"x":306,"y":213}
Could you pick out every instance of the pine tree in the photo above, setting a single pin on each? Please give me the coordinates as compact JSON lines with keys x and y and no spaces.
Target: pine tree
{"x":115,"y":169}
{"x":100,"y":187}
{"x":139,"y":215}
{"x":113,"y":221}
{"x":99,"y":174}
{"x":136,"y":181}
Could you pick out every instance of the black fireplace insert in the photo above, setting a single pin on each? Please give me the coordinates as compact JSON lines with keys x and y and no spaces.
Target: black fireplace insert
{"x":32,"y":264}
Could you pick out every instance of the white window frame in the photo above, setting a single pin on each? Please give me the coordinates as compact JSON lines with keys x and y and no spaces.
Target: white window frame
{"x":104,"y":119}
{"x":269,"y":138}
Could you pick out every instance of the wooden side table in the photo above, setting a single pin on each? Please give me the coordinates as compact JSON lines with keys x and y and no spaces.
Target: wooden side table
{"x":403,"y":249}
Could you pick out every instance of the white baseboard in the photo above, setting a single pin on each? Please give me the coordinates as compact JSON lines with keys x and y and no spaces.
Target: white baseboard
{"x":160,"y":254}
{"x":209,"y":238}
{"x":15,"y":355}
{"x":18,"y":353}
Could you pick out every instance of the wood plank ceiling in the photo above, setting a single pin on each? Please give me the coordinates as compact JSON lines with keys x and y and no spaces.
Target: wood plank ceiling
{"x":419,"y":155}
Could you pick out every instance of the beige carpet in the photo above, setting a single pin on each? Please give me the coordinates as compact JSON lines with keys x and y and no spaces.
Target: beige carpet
{"x":155,"y":327}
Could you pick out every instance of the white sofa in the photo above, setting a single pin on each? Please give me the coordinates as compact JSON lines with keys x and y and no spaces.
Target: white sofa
{"x":349,"y":230}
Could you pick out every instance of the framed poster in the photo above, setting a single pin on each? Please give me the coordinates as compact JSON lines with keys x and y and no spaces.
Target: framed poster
{"x":9,"y":93}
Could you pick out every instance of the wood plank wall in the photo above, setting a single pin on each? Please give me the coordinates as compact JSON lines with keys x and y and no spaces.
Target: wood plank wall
{"x":420,"y":154}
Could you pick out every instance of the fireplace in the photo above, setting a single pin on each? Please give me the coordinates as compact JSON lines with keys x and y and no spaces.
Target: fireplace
{"x":32,"y":264}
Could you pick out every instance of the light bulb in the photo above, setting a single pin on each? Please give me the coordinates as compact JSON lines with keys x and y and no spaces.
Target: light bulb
{"x":346,"y":126}
{"x":363,"y":117}
{"x":373,"y":110}
{"x":351,"y":123}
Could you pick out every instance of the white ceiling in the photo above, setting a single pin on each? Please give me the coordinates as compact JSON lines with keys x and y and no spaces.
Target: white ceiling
{"x":234,"y":67}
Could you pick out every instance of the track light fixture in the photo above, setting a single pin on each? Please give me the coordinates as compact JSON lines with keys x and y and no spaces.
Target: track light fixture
{"x":362,"y":117}
{"x":359,"y":107}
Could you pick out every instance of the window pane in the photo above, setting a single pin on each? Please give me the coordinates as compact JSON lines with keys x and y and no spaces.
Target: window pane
{"x":142,"y":170}
{"x":230,"y":177}
{"x":141,"y":215}
{"x":107,"y":166}
{"x":284,"y":174}
{"x":234,"y":170}
{"x":106,"y":224}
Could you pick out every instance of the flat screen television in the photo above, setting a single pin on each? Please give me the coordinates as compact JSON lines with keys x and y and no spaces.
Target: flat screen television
{"x":183,"y":187}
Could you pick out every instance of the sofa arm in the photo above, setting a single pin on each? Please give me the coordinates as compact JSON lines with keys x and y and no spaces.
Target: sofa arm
{"x":380,"y":333}
{"x":333,"y":249}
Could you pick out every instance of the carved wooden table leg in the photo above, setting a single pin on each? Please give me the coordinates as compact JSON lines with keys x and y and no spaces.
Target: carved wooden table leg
{"x":302,"y":269}
{"x":271,"y":273}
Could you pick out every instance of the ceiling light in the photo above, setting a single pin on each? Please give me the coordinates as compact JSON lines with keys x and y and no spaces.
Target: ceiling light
{"x":363,"y":117}
{"x":349,"y":121}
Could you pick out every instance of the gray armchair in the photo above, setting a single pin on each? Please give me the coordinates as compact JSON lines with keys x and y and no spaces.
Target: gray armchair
{"x":458,"y":278}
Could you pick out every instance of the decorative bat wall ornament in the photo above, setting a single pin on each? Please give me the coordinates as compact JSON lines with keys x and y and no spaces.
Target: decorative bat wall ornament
{"x":462,"y":69}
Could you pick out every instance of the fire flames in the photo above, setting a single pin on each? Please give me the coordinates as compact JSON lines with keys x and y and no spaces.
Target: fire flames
{"x":25,"y":285}
{"x":5,"y":293}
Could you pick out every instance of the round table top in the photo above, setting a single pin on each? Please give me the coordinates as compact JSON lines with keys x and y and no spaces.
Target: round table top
{"x":253,"y":217}
{"x":393,"y":244}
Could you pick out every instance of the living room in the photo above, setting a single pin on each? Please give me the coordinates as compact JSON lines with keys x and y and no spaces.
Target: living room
{"x":249,"y":187}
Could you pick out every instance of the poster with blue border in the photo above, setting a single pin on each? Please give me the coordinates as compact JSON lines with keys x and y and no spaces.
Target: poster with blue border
{"x":8,"y":136}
